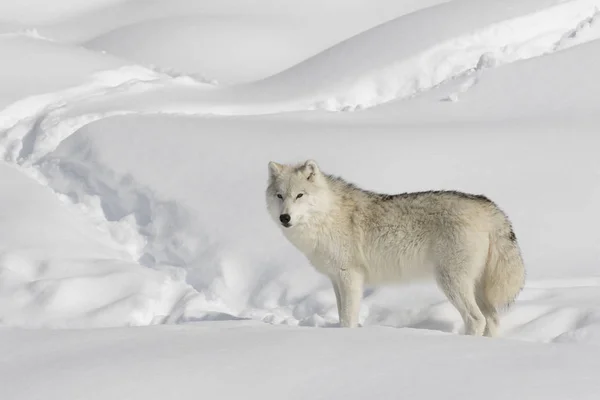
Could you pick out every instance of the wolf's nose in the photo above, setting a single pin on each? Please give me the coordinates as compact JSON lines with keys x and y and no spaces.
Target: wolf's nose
{"x":285,"y":218}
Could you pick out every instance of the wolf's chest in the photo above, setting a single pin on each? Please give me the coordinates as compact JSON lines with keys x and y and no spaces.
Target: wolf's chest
{"x":325,"y":254}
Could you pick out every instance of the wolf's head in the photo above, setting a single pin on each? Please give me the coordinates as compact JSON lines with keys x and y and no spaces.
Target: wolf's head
{"x":296,"y":193}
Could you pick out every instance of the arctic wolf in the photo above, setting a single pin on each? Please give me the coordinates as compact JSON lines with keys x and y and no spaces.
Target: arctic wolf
{"x":357,"y":237}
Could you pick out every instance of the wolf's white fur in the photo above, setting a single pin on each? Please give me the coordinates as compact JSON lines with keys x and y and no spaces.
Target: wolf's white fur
{"x":357,"y":237}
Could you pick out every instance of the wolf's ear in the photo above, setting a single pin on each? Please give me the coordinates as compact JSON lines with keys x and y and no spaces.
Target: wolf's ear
{"x":274,"y":168}
{"x":310,"y":169}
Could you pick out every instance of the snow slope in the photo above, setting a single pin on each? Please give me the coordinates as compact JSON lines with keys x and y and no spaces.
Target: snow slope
{"x":132,"y":193}
{"x":59,"y":267}
{"x":214,"y":38}
{"x":364,"y":71}
{"x":556,"y":87}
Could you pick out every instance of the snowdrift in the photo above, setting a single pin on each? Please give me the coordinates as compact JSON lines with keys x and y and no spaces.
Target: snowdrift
{"x":59,"y":267}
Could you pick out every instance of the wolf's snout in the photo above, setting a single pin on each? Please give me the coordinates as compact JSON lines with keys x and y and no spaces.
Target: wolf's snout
{"x":285,"y":219}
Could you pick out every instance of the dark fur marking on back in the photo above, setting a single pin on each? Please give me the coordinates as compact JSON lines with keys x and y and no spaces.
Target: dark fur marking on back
{"x":512,"y":237}
{"x":409,"y":195}
{"x":462,"y":195}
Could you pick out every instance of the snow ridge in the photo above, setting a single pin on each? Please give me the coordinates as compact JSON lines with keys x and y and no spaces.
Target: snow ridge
{"x":521,"y":38}
{"x":24,"y":125}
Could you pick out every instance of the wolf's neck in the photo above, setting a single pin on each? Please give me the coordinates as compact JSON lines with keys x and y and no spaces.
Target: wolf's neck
{"x":332,"y":222}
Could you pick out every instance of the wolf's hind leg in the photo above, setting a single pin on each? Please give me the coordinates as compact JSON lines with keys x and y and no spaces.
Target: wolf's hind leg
{"x":460,"y":290}
{"x":489,"y":311}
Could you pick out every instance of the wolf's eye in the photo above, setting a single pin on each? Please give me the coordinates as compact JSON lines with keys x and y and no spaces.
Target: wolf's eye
{"x":279,"y":196}
{"x":299,"y":195}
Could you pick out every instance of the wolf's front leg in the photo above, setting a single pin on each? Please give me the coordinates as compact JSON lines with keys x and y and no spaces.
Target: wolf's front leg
{"x":336,"y":289}
{"x":350,"y":287}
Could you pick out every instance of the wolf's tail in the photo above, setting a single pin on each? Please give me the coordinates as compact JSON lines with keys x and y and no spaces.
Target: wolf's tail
{"x":504,"y":274}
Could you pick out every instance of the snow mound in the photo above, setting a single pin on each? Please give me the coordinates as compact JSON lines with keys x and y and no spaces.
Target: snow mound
{"x":212,"y":39}
{"x":365,"y":70}
{"x":25,"y":126}
{"x":556,"y":87}
{"x":350,"y":16}
{"x":58,"y":268}
{"x":214,"y":48}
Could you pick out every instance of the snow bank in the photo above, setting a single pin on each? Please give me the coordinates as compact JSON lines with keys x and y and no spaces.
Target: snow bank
{"x":365,"y":70}
{"x":61,"y":267}
{"x":23,"y":124}
{"x":558,"y":87}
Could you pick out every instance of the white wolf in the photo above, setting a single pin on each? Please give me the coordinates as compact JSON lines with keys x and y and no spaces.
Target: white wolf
{"x":357,"y":237}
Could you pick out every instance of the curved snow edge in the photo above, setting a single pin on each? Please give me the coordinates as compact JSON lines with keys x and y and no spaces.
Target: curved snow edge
{"x":501,"y":43}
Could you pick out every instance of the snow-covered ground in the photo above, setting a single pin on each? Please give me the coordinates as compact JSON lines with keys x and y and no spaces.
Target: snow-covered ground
{"x":135,"y":137}
{"x":232,"y":360}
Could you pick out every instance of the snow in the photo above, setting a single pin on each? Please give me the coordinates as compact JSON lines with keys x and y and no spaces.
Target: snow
{"x":59,"y":268}
{"x":137,"y":259}
{"x":549,"y":88}
{"x":63,"y":66}
{"x":214,"y":38}
{"x":39,"y":11}
{"x":246,"y":271}
{"x":363,"y":71}
{"x":233,"y":360}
